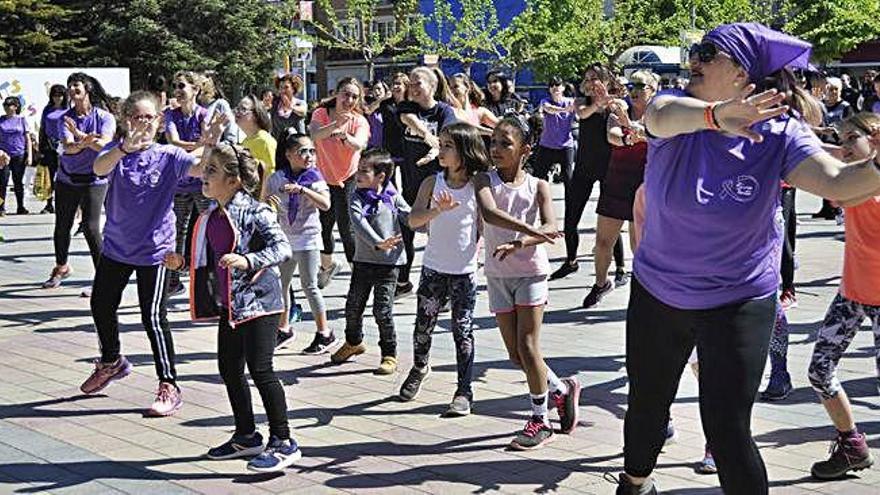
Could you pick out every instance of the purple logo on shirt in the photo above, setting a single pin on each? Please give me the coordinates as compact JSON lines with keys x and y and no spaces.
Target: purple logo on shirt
{"x":743,"y":190}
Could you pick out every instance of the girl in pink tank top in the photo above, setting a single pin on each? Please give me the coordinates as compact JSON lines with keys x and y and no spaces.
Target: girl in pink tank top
{"x":512,"y":201}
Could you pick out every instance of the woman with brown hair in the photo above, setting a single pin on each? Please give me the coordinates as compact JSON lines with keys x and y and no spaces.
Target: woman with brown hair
{"x":288,"y":111}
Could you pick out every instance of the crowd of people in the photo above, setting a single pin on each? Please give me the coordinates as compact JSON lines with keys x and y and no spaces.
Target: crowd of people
{"x":237,"y":197}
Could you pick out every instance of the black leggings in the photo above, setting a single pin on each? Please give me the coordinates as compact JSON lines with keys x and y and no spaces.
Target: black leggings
{"x":16,"y":168}
{"x":789,"y":216}
{"x":577,"y":193}
{"x":67,"y":199}
{"x":338,"y":214}
{"x":732,"y":343}
{"x":546,"y":157}
{"x":111,"y":277}
{"x":251,"y":343}
{"x":50,"y":159}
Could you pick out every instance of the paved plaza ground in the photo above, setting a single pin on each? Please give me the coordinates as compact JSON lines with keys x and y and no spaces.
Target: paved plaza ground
{"x":355,"y":436}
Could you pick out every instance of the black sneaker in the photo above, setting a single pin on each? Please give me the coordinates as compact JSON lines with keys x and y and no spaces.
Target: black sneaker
{"x":596,"y":294}
{"x":567,"y":405}
{"x":320,"y":344}
{"x":22,"y":211}
{"x":621,"y":278}
{"x":238,"y":447}
{"x":403,"y":290}
{"x":281,"y":337}
{"x":564,"y":270}
{"x":176,"y":290}
{"x":413,"y":383}
{"x":625,"y":486}
{"x":847,"y":454}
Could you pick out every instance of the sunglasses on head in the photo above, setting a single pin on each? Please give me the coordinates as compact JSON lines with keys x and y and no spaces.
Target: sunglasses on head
{"x":704,"y":52}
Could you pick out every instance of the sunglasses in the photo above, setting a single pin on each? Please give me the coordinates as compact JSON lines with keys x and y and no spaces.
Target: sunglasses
{"x":304,"y":152}
{"x":705,"y":52}
{"x":180,"y":85}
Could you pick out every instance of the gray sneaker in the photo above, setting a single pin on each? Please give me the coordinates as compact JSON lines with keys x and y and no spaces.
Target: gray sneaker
{"x":327,"y":274}
{"x":413,"y":383}
{"x":460,"y":406}
{"x":535,"y":435}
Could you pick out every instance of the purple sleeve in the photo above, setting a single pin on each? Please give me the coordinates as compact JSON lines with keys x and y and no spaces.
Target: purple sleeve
{"x":448,"y":116}
{"x":181,"y":160}
{"x":108,"y":124}
{"x":63,"y":131}
{"x":800,"y":144}
{"x":169,"y":122}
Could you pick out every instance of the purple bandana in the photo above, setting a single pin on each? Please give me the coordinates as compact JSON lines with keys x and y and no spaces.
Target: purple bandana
{"x":372,"y":199}
{"x":760,"y":50}
{"x":305,"y":179}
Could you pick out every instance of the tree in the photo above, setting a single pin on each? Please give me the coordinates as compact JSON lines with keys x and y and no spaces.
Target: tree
{"x":38,"y":33}
{"x":357,"y":32}
{"x":834,"y":27}
{"x":474,"y":35}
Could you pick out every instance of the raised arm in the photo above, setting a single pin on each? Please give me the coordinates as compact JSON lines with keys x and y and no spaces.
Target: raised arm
{"x":493,"y":215}
{"x":828,"y":177}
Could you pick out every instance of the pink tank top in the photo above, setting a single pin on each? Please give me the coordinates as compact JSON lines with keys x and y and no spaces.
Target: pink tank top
{"x":521,"y":203}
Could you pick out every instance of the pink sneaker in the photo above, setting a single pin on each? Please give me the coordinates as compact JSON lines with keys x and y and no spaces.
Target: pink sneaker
{"x":167,"y":401}
{"x":104,"y":374}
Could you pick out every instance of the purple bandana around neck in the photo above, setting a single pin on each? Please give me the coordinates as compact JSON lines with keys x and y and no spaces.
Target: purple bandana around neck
{"x":372,"y":198}
{"x":305,"y":179}
{"x":760,"y":50}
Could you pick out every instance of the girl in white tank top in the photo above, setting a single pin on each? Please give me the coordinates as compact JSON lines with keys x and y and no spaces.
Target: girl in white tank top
{"x":447,"y":206}
{"x":512,"y":203}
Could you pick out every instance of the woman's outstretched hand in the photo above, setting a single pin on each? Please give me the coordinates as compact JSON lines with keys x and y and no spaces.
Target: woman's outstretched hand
{"x":738,"y":114}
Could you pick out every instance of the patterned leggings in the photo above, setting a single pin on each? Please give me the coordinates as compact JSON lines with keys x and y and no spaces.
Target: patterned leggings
{"x":435,"y":289}
{"x":841,"y":323}
{"x":779,"y":341}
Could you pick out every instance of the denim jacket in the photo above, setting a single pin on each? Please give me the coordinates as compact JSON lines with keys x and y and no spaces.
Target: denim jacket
{"x":254,"y":292}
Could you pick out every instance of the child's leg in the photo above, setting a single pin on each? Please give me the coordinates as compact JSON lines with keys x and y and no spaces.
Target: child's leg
{"x":502,"y":304}
{"x":356,"y":302}
{"x":153,"y":298}
{"x":385,"y":283}
{"x":309,"y":262}
{"x":463,"y":290}
{"x":259,"y":347}
{"x":287,"y":268}
{"x":432,"y":293}
{"x":110,"y":281}
{"x":231,"y":361}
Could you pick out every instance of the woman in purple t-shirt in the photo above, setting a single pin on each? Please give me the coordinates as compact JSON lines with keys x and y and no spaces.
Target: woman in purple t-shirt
{"x":15,"y":145}
{"x":84,"y":130}
{"x":707,"y":268}
{"x":557,"y":142}
{"x":52,"y":116}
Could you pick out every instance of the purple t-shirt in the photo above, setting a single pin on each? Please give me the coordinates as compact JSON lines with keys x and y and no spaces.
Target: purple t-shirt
{"x":376,"y":127}
{"x":557,"y":126}
{"x":188,"y":128}
{"x":221,"y":238}
{"x":876,"y":107}
{"x":50,"y":121}
{"x":139,"y":205}
{"x":713,"y":234}
{"x":13,"y":130}
{"x":78,"y":169}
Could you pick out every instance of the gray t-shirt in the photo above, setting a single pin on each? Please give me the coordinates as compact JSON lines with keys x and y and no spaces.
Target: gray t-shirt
{"x":372,"y":229}
{"x":305,"y":231}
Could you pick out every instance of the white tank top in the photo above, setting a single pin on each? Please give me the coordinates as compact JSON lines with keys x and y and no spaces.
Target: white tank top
{"x":521,"y":203}
{"x":453,"y":241}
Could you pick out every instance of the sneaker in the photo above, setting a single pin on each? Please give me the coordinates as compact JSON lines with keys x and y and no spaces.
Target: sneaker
{"x":403,"y":290}
{"x":327,"y":274}
{"x":567,"y":405}
{"x":387,"y":366}
{"x":282,"y":336}
{"x":847,"y":454}
{"x":535,"y":435}
{"x":47,"y":209}
{"x":778,"y":388}
{"x":278,"y":455}
{"x":56,"y":277}
{"x":168,"y":401}
{"x":24,"y":211}
{"x":413,"y":383}
{"x":621,"y":278}
{"x":320,"y":344}
{"x":564,"y":270}
{"x":176,"y":290}
{"x":104,"y":374}
{"x":295,"y":314}
{"x":460,"y":406}
{"x":625,"y":486}
{"x":238,"y":447}
{"x":670,"y":436}
{"x":596,"y":294}
{"x":346,"y":352}
{"x":707,"y":465}
{"x":787,"y":299}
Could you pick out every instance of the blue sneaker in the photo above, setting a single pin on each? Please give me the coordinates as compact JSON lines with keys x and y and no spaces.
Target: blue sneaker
{"x":278,"y":455}
{"x":238,"y":447}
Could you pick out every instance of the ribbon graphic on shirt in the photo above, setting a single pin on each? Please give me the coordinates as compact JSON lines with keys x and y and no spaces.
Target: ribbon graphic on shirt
{"x":743,"y":190}
{"x":372,"y":199}
{"x":304,"y":179}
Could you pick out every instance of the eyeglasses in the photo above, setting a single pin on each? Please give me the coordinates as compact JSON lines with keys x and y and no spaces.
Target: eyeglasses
{"x":144,"y":118}
{"x":705,"y":52}
{"x":304,"y":152}
{"x":180,"y":85}
{"x":240,"y":111}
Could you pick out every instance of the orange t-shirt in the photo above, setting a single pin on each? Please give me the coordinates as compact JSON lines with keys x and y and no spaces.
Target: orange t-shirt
{"x":861,"y":256}
{"x":336,"y":161}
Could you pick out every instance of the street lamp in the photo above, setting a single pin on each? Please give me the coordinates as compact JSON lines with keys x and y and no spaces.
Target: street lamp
{"x":302,"y":51}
